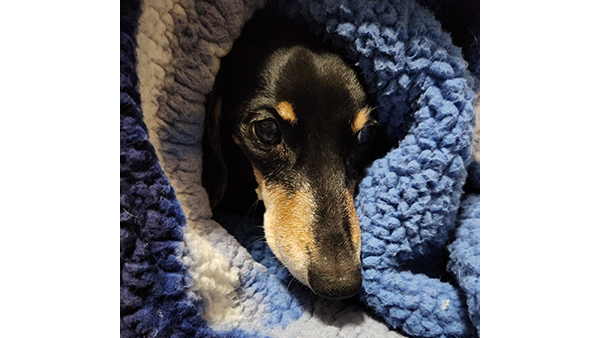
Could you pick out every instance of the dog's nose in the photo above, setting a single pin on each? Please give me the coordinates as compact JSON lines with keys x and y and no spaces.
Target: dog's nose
{"x":335,"y":282}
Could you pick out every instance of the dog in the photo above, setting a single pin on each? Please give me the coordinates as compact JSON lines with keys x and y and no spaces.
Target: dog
{"x":293,"y":119}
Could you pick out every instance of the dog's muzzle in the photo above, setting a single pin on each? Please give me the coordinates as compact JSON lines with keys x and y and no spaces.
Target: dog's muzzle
{"x":315,"y":234}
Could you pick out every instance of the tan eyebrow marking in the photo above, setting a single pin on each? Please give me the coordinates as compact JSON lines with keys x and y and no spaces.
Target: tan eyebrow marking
{"x":285,"y":110}
{"x":361,"y":119}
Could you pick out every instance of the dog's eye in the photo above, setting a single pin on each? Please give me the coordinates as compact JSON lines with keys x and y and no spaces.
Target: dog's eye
{"x":364,"y":135}
{"x":266,"y":131}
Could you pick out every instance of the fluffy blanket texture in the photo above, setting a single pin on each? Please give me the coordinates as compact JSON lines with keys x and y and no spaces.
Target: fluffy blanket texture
{"x":185,"y":275}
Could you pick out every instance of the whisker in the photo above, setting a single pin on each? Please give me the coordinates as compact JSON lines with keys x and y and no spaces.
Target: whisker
{"x":279,"y":268}
{"x":475,"y":37}
{"x":252,"y":208}
{"x":290,"y":283}
{"x":255,"y":206}
{"x":259,"y":240}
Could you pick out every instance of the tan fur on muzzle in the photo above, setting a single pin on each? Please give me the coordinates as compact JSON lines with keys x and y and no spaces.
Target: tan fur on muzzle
{"x":288,"y":226}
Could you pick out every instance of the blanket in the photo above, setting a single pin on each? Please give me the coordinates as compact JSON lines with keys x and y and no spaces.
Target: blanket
{"x":185,"y":275}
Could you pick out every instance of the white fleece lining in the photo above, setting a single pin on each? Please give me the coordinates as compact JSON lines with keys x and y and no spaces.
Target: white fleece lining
{"x":214,"y":280}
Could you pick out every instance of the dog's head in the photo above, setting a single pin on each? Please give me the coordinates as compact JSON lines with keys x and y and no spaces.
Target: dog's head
{"x":303,"y":121}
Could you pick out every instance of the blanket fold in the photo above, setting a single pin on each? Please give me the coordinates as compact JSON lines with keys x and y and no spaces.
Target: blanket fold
{"x":185,"y":275}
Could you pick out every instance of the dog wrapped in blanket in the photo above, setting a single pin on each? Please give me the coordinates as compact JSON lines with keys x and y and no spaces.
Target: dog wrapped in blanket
{"x":183,"y":275}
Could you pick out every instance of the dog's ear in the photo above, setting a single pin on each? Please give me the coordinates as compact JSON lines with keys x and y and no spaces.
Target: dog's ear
{"x":214,"y":170}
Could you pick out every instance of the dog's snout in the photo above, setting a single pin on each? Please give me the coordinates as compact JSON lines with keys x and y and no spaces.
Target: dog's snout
{"x":335,"y":280}
{"x":334,"y":270}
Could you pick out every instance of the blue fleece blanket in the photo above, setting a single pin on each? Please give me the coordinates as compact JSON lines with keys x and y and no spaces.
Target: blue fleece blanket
{"x":184,"y":275}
